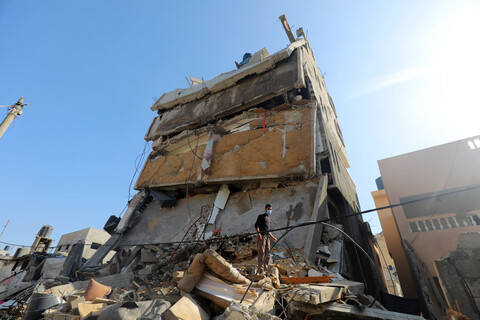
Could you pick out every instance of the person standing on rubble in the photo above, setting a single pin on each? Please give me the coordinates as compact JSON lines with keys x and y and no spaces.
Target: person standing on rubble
{"x":262,"y":226}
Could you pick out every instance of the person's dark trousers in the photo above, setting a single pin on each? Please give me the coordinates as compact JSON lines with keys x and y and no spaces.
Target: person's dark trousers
{"x":263,"y":246}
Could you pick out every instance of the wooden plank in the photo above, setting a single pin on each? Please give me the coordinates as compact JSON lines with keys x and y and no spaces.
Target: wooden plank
{"x":322,"y":279}
{"x":245,"y":94}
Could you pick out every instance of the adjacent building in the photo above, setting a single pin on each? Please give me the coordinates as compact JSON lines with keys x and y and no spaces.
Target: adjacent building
{"x":387,"y":265}
{"x":439,"y":189}
{"x":90,"y":237}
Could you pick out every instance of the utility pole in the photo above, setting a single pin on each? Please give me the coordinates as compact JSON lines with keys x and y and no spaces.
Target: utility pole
{"x":8,"y":221}
{"x":15,"y":111}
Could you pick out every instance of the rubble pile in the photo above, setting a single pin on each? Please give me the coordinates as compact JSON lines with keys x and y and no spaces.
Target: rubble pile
{"x":203,"y":280}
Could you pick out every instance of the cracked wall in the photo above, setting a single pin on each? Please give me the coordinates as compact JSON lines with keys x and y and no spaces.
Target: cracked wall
{"x":283,"y":148}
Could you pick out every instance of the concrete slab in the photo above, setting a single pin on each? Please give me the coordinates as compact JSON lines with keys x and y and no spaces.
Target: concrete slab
{"x":345,"y":311}
{"x":351,"y":287}
{"x":186,"y":308}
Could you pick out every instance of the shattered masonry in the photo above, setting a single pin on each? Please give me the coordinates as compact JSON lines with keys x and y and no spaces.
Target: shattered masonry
{"x":221,"y":149}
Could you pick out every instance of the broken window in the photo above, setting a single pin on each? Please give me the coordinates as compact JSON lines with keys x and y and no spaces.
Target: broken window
{"x":95,"y":246}
{"x":15,"y":266}
{"x":24,"y":265}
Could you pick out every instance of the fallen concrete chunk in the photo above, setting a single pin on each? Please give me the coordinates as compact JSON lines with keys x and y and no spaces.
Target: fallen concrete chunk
{"x":275,"y":275}
{"x":336,"y":249}
{"x":221,"y":267}
{"x":265,"y":302}
{"x":90,"y":309}
{"x":74,"y":303}
{"x":315,"y":294}
{"x":193,"y":274}
{"x":345,"y":311}
{"x":13,"y":290}
{"x":368,"y":300}
{"x":220,"y":201}
{"x":351,"y":287}
{"x":148,"y":256}
{"x":186,"y":309}
{"x":222,"y":293}
{"x":237,"y":311}
{"x":54,"y":314}
{"x":152,"y":309}
{"x":314,"y":273}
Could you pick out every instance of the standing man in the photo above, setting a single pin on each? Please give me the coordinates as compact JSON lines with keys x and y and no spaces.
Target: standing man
{"x":262,"y":226}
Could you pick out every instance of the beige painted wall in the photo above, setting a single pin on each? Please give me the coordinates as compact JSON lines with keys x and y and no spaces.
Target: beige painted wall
{"x":439,"y":168}
{"x":390,"y":275}
{"x":394,"y":244}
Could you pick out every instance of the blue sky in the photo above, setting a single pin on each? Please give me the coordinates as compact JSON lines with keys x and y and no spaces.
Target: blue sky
{"x":403,"y":76}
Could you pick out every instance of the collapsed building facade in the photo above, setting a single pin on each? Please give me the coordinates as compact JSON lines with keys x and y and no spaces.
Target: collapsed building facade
{"x":267,"y":132}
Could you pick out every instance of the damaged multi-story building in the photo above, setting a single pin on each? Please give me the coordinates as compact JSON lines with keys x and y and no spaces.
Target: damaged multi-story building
{"x":266,"y":132}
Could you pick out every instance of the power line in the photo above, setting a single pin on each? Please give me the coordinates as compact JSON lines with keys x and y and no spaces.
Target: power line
{"x":304,"y":224}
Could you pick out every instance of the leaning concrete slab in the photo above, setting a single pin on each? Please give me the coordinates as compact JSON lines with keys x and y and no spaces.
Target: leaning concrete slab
{"x":186,"y":308}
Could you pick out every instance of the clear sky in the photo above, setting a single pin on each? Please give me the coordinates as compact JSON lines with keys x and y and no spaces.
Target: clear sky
{"x":404,"y":75}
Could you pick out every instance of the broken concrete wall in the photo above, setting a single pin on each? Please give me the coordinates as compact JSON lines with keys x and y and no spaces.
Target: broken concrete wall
{"x":459,"y":275}
{"x":251,"y":153}
{"x":292,"y":205}
{"x":270,"y":122}
{"x":250,"y":91}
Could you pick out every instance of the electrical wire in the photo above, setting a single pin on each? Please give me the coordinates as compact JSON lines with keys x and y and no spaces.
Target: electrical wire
{"x":188,"y":181}
{"x":289,"y":248}
{"x":331,"y":226}
{"x":304,"y":224}
{"x":366,"y":254}
{"x":194,"y":152}
{"x":137,"y":163}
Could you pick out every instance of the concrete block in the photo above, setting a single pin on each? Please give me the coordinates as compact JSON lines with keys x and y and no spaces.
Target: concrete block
{"x":345,"y":311}
{"x":187,"y":309}
{"x":236,"y":311}
{"x":315,"y":273}
{"x":148,"y":256}
{"x":55,"y":315}
{"x":90,"y":309}
{"x":351,"y":287}
{"x":235,"y":315}
{"x":469,"y":240}
{"x":316,"y":295}
{"x":74,"y":303}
